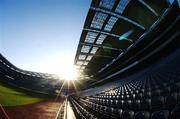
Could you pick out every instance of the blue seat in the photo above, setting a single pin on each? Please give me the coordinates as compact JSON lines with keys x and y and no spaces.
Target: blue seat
{"x":164,"y":114}
{"x":170,"y":100}
{"x":142,"y":115}
{"x":175,"y":114}
{"x":145,"y":104}
{"x":127,"y":114}
{"x":157,"y":102}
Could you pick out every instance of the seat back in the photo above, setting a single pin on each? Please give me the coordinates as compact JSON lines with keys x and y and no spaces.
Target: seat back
{"x":142,"y":115}
{"x":164,"y":114}
{"x":175,"y":114}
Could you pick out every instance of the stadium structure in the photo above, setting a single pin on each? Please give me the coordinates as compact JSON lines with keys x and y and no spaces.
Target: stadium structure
{"x":129,"y":59}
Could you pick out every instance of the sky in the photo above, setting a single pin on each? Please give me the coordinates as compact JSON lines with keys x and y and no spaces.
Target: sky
{"x":41,"y":35}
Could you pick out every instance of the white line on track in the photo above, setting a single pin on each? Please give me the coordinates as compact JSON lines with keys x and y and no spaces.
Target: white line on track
{"x":4,"y":112}
{"x":59,"y":109}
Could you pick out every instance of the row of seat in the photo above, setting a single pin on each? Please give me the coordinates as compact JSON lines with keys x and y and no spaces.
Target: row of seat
{"x":81,"y":113}
{"x":85,"y":111}
{"x":138,"y":98}
{"x":154,"y":94}
{"x":9,"y":75}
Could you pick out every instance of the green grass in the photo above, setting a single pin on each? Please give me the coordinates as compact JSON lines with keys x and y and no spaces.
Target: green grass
{"x":12,"y":96}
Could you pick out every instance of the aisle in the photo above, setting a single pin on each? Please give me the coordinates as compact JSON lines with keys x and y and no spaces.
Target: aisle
{"x":70,"y":112}
{"x":65,"y":111}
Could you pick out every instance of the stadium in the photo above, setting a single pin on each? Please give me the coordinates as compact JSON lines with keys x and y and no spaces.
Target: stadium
{"x":128,"y":64}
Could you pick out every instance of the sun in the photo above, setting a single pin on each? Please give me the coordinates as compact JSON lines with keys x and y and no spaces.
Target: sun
{"x":68,"y":74}
{"x":61,"y":65}
{"x":65,"y":68}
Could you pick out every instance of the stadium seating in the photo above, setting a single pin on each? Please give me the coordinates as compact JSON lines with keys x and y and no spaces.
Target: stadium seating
{"x":141,"y":82}
{"x":33,"y":81}
{"x":153,"y":92}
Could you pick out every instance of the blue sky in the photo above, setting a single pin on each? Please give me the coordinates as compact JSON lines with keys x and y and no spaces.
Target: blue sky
{"x":38,"y":35}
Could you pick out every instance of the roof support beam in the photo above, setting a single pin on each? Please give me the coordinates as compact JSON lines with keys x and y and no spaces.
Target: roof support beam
{"x":149,"y":7}
{"x":101,"y":46}
{"x":106,"y":33}
{"x":105,"y":56}
{"x":103,"y":32}
{"x":117,"y":15}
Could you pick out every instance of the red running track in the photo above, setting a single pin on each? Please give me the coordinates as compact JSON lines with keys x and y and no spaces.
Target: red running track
{"x":41,"y":110}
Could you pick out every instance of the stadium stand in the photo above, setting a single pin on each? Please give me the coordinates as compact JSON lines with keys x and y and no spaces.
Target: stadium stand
{"x":33,"y":81}
{"x":140,"y":80}
{"x":129,"y":59}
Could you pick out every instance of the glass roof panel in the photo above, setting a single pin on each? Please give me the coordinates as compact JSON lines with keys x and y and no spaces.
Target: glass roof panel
{"x":77,"y":66}
{"x":121,"y":6}
{"x":83,"y":67}
{"x":108,"y":4}
{"x":82,"y":57}
{"x":101,"y":39}
{"x":98,"y":20}
{"x":79,"y":62}
{"x":85,"y":48}
{"x":89,"y":58}
{"x":86,"y":63}
{"x":110,"y":23}
{"x":94,"y":49}
{"x":91,"y":36}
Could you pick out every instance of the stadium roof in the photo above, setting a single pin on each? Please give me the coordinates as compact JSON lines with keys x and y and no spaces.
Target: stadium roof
{"x":111,"y":27}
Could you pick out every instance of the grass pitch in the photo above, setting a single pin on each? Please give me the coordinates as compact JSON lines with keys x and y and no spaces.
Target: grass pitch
{"x":12,"y":96}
